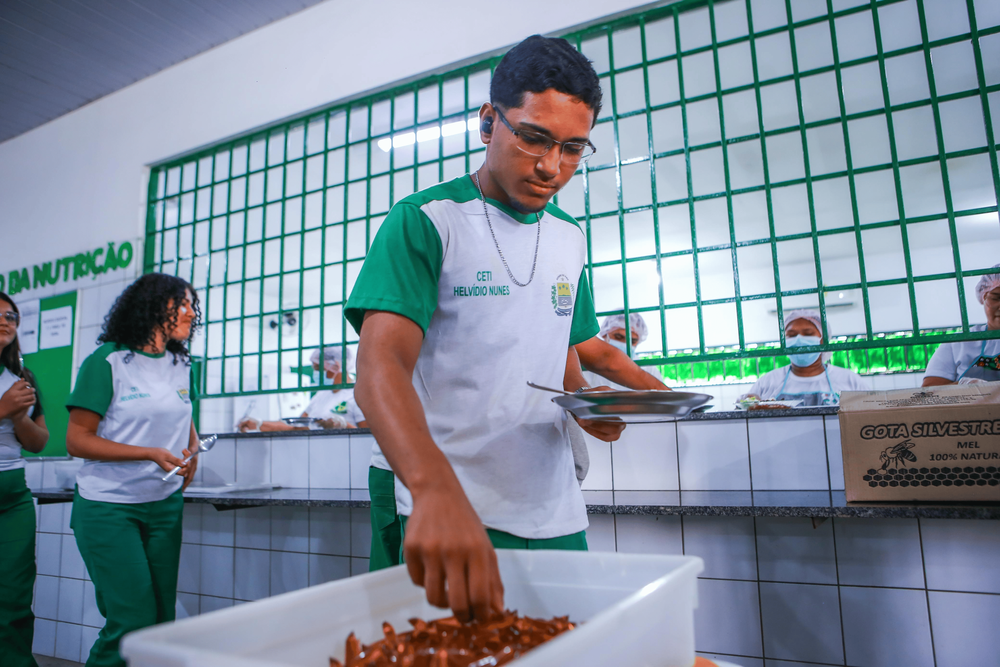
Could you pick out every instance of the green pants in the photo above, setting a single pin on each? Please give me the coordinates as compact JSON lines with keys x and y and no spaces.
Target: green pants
{"x":387,"y":533}
{"x":502,"y":540}
{"x":17,"y":570}
{"x":132,"y":552}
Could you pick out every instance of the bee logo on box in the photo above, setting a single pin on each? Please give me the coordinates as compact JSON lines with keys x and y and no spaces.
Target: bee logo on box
{"x":897,"y":456}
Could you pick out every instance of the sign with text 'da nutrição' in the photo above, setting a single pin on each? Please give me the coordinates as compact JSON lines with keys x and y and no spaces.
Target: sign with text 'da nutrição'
{"x":932,"y":443}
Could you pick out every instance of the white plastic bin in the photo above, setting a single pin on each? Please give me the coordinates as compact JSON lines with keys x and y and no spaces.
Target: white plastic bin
{"x":636,"y":610}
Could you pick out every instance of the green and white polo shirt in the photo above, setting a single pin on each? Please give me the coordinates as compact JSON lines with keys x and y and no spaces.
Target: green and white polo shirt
{"x":434,"y":261}
{"x":144,"y":400}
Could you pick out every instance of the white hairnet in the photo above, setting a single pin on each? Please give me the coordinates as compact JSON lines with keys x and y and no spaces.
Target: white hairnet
{"x":803,"y":314}
{"x":987,"y":283}
{"x":331,"y":358}
{"x":613,"y":322}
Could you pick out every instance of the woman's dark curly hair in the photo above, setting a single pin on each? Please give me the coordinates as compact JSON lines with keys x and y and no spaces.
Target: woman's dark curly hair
{"x":10,"y":356}
{"x":148,"y":304}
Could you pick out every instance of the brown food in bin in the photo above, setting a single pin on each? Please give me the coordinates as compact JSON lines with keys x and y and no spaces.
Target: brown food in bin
{"x":449,"y":643}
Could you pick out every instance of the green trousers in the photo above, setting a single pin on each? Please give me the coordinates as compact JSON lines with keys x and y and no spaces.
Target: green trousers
{"x":132,"y":552}
{"x":17,"y":570}
{"x":502,"y":540}
{"x":387,"y":532}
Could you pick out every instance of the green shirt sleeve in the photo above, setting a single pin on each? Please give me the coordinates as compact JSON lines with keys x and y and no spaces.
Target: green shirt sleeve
{"x":94,"y":385}
{"x":585,"y":324}
{"x":401,"y":271}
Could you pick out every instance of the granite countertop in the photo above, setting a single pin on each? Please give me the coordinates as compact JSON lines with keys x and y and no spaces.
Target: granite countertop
{"x":698,"y":416}
{"x":813,"y":504}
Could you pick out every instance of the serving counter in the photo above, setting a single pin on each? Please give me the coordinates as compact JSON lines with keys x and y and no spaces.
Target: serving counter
{"x":811,"y":504}
{"x":759,"y":496}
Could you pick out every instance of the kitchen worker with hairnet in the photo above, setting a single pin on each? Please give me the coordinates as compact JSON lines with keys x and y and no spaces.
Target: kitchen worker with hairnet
{"x":606,"y":356}
{"x":809,"y":378}
{"x":335,"y":408}
{"x":971,"y":361}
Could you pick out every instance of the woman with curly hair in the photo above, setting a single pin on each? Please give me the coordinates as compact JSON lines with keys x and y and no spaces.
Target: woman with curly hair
{"x":130,"y":417}
{"x":22,"y":426}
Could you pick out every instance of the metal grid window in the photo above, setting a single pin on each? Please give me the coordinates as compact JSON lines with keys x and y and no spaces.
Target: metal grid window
{"x":754,"y":156}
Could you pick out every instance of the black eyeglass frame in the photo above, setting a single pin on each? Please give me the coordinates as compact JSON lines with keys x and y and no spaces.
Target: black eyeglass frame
{"x":552,"y":142}
{"x":11,"y":316}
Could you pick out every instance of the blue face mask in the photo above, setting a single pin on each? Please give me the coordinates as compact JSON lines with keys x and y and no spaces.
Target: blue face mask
{"x":315,"y":376}
{"x":803,"y":360}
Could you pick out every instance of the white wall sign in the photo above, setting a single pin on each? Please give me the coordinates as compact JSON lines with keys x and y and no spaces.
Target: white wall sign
{"x":27,"y":331}
{"x":56,"y":328}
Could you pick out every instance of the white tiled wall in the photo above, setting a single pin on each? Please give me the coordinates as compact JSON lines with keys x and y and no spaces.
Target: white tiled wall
{"x":227,"y":557}
{"x":847,"y":592}
{"x":721,"y":455}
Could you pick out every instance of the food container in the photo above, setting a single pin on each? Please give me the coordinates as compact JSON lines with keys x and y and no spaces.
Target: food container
{"x":635,"y":609}
{"x":632,"y":407}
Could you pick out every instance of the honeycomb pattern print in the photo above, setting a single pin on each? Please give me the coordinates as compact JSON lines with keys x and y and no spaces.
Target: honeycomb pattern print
{"x":968,"y":476}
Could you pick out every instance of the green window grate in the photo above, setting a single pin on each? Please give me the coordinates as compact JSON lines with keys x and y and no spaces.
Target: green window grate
{"x":753,"y":157}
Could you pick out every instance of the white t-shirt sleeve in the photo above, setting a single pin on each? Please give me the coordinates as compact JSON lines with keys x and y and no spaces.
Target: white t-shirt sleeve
{"x":942,"y":363}
{"x":316,"y":405}
{"x":845,"y":379}
{"x":354,"y":414}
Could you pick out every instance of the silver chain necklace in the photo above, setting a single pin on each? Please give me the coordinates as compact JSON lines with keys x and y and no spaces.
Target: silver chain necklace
{"x":538,"y":237}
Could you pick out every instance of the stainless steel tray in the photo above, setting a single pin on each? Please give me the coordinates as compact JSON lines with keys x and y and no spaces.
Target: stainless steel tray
{"x":300,"y":421}
{"x":632,"y":407}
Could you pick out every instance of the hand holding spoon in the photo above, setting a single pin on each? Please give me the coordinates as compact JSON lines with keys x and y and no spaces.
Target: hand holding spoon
{"x":203,"y":446}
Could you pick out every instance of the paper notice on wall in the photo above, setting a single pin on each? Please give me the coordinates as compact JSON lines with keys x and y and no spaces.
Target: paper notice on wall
{"x":56,"y":328}
{"x":27,"y":331}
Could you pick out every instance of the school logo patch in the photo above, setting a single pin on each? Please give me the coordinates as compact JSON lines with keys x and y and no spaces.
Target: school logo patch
{"x":340,"y":409}
{"x":185,"y":396}
{"x":562,"y":296}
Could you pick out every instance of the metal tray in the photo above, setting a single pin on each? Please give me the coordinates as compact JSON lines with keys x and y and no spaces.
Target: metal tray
{"x":632,"y":407}
{"x":300,"y":421}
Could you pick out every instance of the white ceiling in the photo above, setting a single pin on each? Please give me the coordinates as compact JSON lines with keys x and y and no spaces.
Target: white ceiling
{"x":58,"y":55}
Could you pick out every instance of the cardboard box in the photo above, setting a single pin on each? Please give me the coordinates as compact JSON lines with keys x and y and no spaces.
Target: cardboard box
{"x":933,"y":443}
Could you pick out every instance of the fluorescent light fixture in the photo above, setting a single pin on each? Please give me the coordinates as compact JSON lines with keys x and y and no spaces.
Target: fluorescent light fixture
{"x":429,"y":134}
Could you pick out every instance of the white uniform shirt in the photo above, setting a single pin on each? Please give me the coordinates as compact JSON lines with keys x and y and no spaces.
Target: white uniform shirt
{"x":144,"y":400}
{"x":10,"y":446}
{"x":435,"y":262}
{"x":329,"y":402}
{"x":769,"y":384}
{"x":952,"y":359}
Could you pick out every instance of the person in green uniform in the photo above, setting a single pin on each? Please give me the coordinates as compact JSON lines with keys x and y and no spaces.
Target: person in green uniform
{"x":130,"y":417}
{"x":22,"y":426}
{"x":471,"y":289}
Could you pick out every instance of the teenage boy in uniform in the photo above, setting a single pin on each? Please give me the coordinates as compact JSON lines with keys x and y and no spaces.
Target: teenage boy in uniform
{"x":471,"y":289}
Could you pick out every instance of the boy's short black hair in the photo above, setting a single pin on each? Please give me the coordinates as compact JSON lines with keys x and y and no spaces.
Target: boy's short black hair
{"x":540,"y":63}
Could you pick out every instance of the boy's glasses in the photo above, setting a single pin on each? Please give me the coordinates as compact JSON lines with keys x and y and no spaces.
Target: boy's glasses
{"x":537,"y":145}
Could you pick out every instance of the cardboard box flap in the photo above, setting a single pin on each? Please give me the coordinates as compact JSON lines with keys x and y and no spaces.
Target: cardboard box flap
{"x":921,"y":398}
